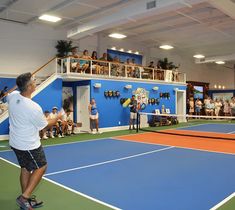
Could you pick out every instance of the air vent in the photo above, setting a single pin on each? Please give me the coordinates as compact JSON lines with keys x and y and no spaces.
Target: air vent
{"x":151,"y":4}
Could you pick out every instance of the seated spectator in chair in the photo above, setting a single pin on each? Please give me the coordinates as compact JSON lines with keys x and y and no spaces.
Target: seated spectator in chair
{"x":227,"y":108}
{"x":232,"y":106}
{"x":74,"y":62}
{"x":198,"y":106}
{"x":44,"y":131}
{"x":218,"y":106}
{"x":151,"y":64}
{"x":104,"y":66}
{"x":95,"y":66}
{"x":136,"y":72}
{"x":211,"y":108}
{"x":191,"y":106}
{"x":60,"y":126}
{"x":69,"y":123}
{"x":84,"y":64}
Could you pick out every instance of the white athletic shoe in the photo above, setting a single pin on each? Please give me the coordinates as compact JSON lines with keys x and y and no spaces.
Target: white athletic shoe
{"x":98,"y":132}
{"x":92,"y":132}
{"x":44,"y":137}
{"x":59,"y":136}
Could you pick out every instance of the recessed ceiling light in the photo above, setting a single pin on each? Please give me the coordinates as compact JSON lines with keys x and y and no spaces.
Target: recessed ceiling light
{"x":215,"y":86}
{"x":166,"y":47}
{"x":220,"y":62}
{"x":50,"y":18}
{"x":223,"y":87}
{"x":113,"y":48}
{"x":122,"y":50}
{"x":117,"y":36}
{"x":137,"y":53}
{"x":199,"y":56}
{"x":129,"y":51}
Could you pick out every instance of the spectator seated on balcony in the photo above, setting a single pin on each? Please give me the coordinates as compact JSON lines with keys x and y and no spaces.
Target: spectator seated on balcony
{"x":136,"y":71}
{"x":84,"y":64}
{"x":95,"y":65}
{"x":74,"y":59}
{"x":129,"y":68}
{"x":160,"y":72}
{"x":175,"y":73}
{"x":104,"y":66}
{"x":115,"y":67}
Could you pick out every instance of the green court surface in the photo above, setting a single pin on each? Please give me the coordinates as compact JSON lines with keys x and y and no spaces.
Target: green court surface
{"x":230,"y":205}
{"x":56,"y":197}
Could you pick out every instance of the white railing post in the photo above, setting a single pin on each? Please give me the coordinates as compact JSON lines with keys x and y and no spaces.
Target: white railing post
{"x":68,"y":65}
{"x":153,"y":74}
{"x":61,"y":65}
{"x":91,"y":67}
{"x":56,"y":65}
{"x":109,"y":69}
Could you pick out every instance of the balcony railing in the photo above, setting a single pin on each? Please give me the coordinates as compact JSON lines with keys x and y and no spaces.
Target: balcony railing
{"x":98,"y":68}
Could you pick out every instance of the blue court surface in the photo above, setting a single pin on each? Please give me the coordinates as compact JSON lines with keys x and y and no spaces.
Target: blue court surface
{"x":138,"y":176}
{"x":212,"y":127}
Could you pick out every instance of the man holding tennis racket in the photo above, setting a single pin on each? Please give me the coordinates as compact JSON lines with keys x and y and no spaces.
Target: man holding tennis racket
{"x":26,"y":120}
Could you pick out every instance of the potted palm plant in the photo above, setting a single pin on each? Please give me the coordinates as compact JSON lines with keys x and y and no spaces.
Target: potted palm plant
{"x":63,"y":48}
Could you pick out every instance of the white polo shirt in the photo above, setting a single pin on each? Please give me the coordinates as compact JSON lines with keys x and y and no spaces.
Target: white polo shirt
{"x":26,"y":120}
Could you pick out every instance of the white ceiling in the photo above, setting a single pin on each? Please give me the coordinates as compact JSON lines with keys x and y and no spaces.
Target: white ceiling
{"x":195,"y":28}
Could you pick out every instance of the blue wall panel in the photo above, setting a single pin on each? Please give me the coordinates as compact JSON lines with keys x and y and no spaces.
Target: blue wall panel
{"x":50,"y":96}
{"x":47,"y":98}
{"x":111,"y":111}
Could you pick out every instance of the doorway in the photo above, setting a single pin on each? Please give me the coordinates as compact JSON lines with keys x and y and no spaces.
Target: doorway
{"x":83,"y":99}
{"x":180,"y":105}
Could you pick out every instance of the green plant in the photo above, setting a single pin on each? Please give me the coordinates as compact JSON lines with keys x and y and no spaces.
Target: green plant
{"x":164,"y":64}
{"x":63,"y":48}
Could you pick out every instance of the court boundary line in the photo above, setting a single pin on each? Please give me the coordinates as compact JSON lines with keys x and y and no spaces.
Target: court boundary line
{"x":69,"y":189}
{"x":221,"y":203}
{"x":73,"y":142}
{"x":167,"y":145}
{"x":109,"y":161}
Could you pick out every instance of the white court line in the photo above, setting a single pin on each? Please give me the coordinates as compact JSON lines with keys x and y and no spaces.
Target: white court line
{"x":231,"y":132}
{"x":73,"y":142}
{"x":109,"y":161}
{"x":70,"y":189}
{"x":187,"y":148}
{"x":223,"y":202}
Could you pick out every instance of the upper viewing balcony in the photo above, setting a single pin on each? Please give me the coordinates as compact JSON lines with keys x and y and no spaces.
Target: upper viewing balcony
{"x":87,"y":69}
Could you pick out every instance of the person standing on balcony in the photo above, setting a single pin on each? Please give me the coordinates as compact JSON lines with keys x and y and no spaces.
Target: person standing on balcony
{"x":26,"y":119}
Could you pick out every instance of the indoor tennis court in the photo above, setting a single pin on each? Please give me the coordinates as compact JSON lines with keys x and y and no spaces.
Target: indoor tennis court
{"x":117,"y":104}
{"x":141,"y":171}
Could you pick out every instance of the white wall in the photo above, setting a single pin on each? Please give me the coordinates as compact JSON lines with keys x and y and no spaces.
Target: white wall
{"x":25,"y":48}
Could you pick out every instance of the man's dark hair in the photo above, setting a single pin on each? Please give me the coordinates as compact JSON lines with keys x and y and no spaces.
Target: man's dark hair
{"x":22,"y":81}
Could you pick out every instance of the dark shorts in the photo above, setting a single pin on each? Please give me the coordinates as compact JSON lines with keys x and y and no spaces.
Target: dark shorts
{"x":31,"y":159}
